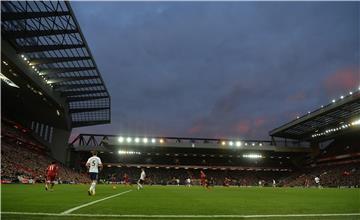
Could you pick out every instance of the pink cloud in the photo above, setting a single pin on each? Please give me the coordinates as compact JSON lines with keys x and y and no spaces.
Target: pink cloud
{"x":242,"y":127}
{"x":346,"y":79}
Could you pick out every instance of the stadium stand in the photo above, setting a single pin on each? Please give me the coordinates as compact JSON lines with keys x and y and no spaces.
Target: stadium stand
{"x":166,"y":176}
{"x":24,"y":159}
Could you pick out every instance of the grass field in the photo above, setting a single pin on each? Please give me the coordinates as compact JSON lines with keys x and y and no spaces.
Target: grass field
{"x":165,"y":202}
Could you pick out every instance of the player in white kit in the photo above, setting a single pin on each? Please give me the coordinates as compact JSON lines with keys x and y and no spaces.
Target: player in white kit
{"x":141,"y":180}
{"x":188,"y":182}
{"x":94,"y":165}
{"x":317,"y":181}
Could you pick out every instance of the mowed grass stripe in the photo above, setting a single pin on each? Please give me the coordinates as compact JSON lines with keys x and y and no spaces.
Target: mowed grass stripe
{"x":156,"y":200}
{"x":183,"y":216}
{"x":34,"y":198}
{"x":180,"y":201}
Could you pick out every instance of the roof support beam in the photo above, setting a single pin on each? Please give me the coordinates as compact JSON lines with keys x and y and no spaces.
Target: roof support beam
{"x":86,"y":98}
{"x":65,"y":70}
{"x":33,"y":33}
{"x":7,"y":16}
{"x":39,"y":61}
{"x":75,"y":86}
{"x":42,"y":48}
{"x":73,"y":93}
{"x":79,"y":110}
{"x":66,"y":79}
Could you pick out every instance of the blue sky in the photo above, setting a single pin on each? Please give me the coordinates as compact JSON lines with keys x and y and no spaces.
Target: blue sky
{"x":219,"y":69}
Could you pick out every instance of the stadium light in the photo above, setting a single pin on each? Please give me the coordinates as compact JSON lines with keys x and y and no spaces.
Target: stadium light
{"x":350,"y":93}
{"x":341,"y":97}
{"x":161,"y":141}
{"x":223,"y":143}
{"x":153,"y":140}
{"x":252,"y":156}
{"x":121,"y":139}
{"x":356,"y":122}
{"x":145,"y":140}
{"x":260,"y":144}
{"x":231,"y":143}
{"x":122,"y":152}
{"x":128,"y":139}
{"x":333,"y":100}
{"x":253,"y":144}
{"x":238,"y":143}
{"x":137,"y":140}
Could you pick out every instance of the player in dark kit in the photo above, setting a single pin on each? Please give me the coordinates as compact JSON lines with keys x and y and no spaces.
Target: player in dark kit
{"x":51,"y":173}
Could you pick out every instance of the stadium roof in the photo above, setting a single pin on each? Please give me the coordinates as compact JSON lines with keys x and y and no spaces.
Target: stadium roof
{"x":325,"y":122}
{"x":47,"y":36}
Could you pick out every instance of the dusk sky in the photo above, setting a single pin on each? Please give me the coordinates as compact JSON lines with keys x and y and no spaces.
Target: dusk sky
{"x":219,"y":69}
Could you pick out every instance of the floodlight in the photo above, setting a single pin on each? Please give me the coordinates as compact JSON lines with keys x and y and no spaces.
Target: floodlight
{"x":145,"y":140}
{"x":128,"y":139}
{"x":252,"y":156}
{"x":121,"y":139}
{"x":238,"y":143}
{"x":153,"y":140}
{"x":137,"y":140}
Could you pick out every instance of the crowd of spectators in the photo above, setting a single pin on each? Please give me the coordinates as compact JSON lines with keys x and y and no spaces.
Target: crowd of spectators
{"x":341,"y":175}
{"x":347,"y":175}
{"x":25,"y":160}
{"x":169,"y":176}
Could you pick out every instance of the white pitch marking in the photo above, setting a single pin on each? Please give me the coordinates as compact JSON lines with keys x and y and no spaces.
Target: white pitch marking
{"x":93,"y":202}
{"x":181,"y":216}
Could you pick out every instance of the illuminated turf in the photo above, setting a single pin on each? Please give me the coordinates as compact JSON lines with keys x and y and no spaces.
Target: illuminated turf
{"x":174,"y":200}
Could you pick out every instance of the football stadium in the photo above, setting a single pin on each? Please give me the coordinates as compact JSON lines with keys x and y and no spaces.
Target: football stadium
{"x":60,"y":159}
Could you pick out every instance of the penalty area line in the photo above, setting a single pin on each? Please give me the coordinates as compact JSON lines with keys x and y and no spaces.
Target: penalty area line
{"x":93,"y":202}
{"x":181,"y":216}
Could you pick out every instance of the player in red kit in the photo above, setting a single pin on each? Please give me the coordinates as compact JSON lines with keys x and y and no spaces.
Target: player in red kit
{"x":203,"y":181}
{"x":51,"y":173}
{"x":126,"y":179}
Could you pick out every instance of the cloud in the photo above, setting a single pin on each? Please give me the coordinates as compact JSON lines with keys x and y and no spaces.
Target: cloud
{"x":342,"y":80}
{"x":218,"y":69}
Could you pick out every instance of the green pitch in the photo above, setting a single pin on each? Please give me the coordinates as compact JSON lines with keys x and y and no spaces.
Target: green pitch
{"x":173,"y":202}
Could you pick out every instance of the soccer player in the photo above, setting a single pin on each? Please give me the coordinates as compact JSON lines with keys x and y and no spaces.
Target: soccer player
{"x":203,"y":181}
{"x":126,"y":179}
{"x":274,"y":183}
{"x":113,"y":181}
{"x":226,"y":182}
{"x":51,"y":173}
{"x":317,"y":181}
{"x":188,"y":182}
{"x":142,"y":179}
{"x":94,"y":165}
